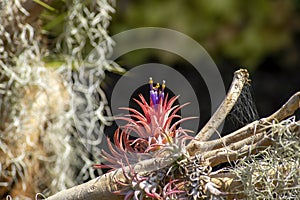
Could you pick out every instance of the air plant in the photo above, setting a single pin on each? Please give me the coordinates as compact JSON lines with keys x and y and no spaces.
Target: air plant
{"x":158,"y":135}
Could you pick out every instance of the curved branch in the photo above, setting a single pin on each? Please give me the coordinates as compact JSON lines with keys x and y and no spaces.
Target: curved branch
{"x":288,"y":109}
{"x":239,"y":80}
{"x":238,"y":150}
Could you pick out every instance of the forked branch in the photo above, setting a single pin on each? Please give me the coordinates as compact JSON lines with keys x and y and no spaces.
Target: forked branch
{"x":254,"y":128}
{"x":239,"y":80}
{"x":241,"y":77}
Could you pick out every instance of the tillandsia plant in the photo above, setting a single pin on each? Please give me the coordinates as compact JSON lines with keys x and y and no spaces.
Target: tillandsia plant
{"x":159,"y":135}
{"x":154,"y":128}
{"x":162,"y":164}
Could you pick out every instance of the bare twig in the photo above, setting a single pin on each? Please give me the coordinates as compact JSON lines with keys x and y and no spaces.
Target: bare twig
{"x":240,"y":78}
{"x":255,"y":127}
{"x":237,"y":150}
{"x":287,"y":109}
{"x":238,"y":135}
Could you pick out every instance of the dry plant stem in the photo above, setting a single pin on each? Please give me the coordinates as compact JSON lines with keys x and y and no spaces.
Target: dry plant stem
{"x":255,"y":127}
{"x":104,"y":186}
{"x":239,"y":80}
{"x":287,"y":109}
{"x":236,"y":136}
{"x":238,"y":150}
{"x":258,"y":140}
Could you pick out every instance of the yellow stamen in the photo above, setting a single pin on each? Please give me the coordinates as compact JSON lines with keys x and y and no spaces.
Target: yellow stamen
{"x":157,"y":86}
{"x":150,"y":80}
{"x":163,"y":84}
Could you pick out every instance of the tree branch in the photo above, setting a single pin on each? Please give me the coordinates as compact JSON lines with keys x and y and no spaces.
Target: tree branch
{"x":105,"y":185}
{"x":288,"y":109}
{"x":240,"y":78}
